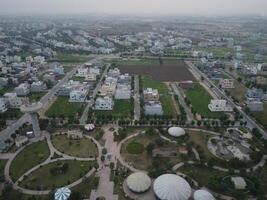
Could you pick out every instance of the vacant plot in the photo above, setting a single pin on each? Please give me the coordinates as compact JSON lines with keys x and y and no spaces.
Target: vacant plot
{"x":57,"y":174}
{"x":29,"y":157}
{"x":2,"y":167}
{"x":238,"y":93}
{"x":169,"y":71}
{"x":122,"y":108}
{"x":83,"y":148}
{"x":199,"y":99}
{"x":11,"y":113}
{"x":63,"y":108}
{"x":262,"y":116}
{"x":165,"y":98}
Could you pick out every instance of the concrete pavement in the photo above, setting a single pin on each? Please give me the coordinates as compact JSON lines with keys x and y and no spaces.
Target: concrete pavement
{"x":137,"y":109}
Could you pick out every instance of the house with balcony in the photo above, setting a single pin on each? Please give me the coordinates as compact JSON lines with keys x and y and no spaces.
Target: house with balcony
{"x":219,"y":105}
{"x":23,"y":89}
{"x":151,"y":95}
{"x":104,"y":103}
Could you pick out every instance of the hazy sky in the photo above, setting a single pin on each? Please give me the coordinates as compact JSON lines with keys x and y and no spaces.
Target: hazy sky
{"x":179,"y":7}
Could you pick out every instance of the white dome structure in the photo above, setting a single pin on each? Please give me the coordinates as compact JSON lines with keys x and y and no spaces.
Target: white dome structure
{"x":62,"y":193}
{"x":138,"y":182}
{"x":171,"y":187}
{"x":203,"y":195}
{"x":176,"y":131}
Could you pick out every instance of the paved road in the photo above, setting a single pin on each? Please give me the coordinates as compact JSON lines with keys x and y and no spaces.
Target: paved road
{"x":46,"y":100}
{"x":178,"y":92}
{"x":250,"y":122}
{"x":84,"y":116}
{"x":137,"y":109}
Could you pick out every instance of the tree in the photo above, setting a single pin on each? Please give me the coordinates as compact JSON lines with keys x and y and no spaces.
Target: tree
{"x":149,"y":148}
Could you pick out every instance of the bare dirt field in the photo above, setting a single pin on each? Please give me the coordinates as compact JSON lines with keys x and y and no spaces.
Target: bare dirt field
{"x":169,"y":71}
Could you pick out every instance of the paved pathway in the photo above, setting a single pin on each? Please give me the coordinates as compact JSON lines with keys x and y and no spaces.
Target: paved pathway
{"x":52,"y":150}
{"x":137,"y":109}
{"x":105,"y":187}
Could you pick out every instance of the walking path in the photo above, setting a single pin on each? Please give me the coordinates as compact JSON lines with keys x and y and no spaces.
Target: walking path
{"x":105,"y":187}
{"x":49,"y":160}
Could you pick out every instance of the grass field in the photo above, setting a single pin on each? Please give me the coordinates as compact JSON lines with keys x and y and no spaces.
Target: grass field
{"x":200,"y":99}
{"x":29,"y":157}
{"x":43,"y":178}
{"x":142,"y":160}
{"x":122,"y":108}
{"x":165,"y":97}
{"x":135,"y":148}
{"x":5,"y":90}
{"x":83,"y":148}
{"x":262,"y":116}
{"x":220,"y":51}
{"x":11,"y":114}
{"x":2,"y":167}
{"x":36,"y":96}
{"x":63,"y":108}
{"x":72,"y":58}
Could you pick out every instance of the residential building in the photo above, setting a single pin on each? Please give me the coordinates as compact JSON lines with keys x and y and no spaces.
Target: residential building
{"x":38,"y":87}
{"x":227,"y":83}
{"x":219,"y":106}
{"x":3,"y":105}
{"x":239,"y":183}
{"x":123,"y":92}
{"x":58,"y":69}
{"x":255,"y":106}
{"x":124,"y":79}
{"x":104,"y":103}
{"x":260,"y":80}
{"x":49,"y":77}
{"x":90,"y":77}
{"x":255,"y":94}
{"x":78,"y":94}
{"x":108,"y":89}
{"x":75,"y":134}
{"x":153,"y":108}
{"x":14,"y":101}
{"x":114,"y":72}
{"x":23,"y":89}
{"x":151,"y":94}
{"x":66,"y":88}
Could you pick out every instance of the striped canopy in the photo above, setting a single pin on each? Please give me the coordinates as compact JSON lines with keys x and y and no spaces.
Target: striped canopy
{"x":62,"y":193}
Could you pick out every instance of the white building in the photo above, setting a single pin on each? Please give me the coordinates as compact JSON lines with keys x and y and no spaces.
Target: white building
{"x":239,"y":183}
{"x":219,"y":106}
{"x":227,"y":83}
{"x":23,"y":89}
{"x":108,"y":89}
{"x":90,"y":77}
{"x":153,"y":108}
{"x":14,"y":101}
{"x":3,"y":105}
{"x":104,"y":103}
{"x":151,"y":94}
{"x":82,"y":72}
{"x":58,"y":69}
{"x":255,"y":106}
{"x":75,"y":134}
{"x":78,"y":94}
{"x":123,"y":92}
{"x":114,"y":72}
{"x":38,"y":87}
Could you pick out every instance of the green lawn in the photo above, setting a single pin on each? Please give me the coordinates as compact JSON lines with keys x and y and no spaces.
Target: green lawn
{"x":63,"y":108}
{"x":262,"y":116}
{"x":135,"y":148}
{"x":165,"y":97}
{"x":36,"y":96}
{"x":72,"y":58}
{"x":201,"y":174}
{"x":200,"y":99}
{"x":122,"y":108}
{"x":75,"y":78}
{"x":83,"y":148}
{"x":29,"y":157}
{"x":43,"y":177}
